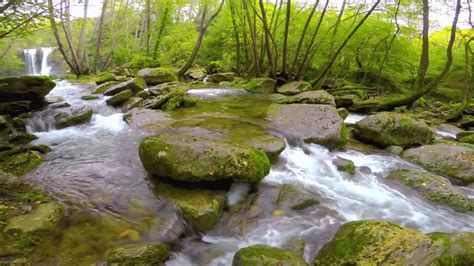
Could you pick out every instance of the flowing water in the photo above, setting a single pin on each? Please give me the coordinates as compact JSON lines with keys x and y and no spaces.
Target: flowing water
{"x":94,"y":168}
{"x":38,"y":65}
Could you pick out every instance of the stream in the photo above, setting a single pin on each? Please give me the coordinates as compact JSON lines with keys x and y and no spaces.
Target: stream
{"x":94,"y":170}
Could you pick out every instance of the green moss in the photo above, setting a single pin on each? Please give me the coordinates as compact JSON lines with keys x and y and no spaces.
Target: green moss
{"x":119,"y":98}
{"x":201,"y":208}
{"x":105,"y":77}
{"x":175,"y":100}
{"x":139,"y":254}
{"x":22,"y":163}
{"x":467,"y":139}
{"x":261,"y":85}
{"x":458,"y":248}
{"x":89,"y":97}
{"x":105,"y":86}
{"x":266,"y":256}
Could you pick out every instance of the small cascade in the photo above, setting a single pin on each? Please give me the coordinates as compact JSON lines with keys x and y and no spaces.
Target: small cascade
{"x":38,"y":61}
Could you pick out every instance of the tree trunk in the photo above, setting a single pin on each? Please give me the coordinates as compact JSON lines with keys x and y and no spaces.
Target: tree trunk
{"x":339,"y":50}
{"x":82,"y":41}
{"x":164,"y":21}
{"x":267,"y":39}
{"x":285,"y":38}
{"x":254,"y":40}
{"x":100,"y":30}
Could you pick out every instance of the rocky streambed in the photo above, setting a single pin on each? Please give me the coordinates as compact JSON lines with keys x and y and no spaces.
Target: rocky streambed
{"x":220,"y":176}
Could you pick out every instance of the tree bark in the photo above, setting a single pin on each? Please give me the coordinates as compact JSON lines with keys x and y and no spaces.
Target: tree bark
{"x":254,"y":40}
{"x":100,"y":29}
{"x":285,"y":38}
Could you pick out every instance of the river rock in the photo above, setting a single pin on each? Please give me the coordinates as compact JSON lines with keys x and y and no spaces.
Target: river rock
{"x":271,"y":145}
{"x":266,"y":255}
{"x":155,"y":76}
{"x":310,"y":97}
{"x":132,"y":102}
{"x":312,"y":123}
{"x":465,"y":136}
{"x":105,"y":77}
{"x":73,"y":116}
{"x":434,"y":188}
{"x":201,"y":208}
{"x":188,"y":157}
{"x":135,"y":85}
{"x":373,"y":242}
{"x":119,"y":98}
{"x":143,"y":94}
{"x":387,"y":129}
{"x":149,"y":120}
{"x":104,"y":86}
{"x":26,"y":88}
{"x":89,"y":97}
{"x":294,"y":87}
{"x":344,"y":165}
{"x":458,"y":248}
{"x":261,"y":85}
{"x":15,"y":107}
{"x":394,"y":149}
{"x":343,"y":112}
{"x":219,"y":77}
{"x":42,"y":220}
{"x":138,"y":254}
{"x":196,"y":73}
{"x":453,"y":161}
{"x":295,"y":198}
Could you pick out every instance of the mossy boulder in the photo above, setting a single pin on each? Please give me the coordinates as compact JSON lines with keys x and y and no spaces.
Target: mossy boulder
{"x":26,"y":88}
{"x":188,"y":157}
{"x":371,"y":242}
{"x":294,"y":87}
{"x":312,"y":123}
{"x":466,"y":137}
{"x":89,"y":97}
{"x":198,"y":73}
{"x":261,"y":85}
{"x":201,"y":208}
{"x":143,"y":94}
{"x":457,"y":248}
{"x":22,"y":163}
{"x":453,"y":161}
{"x":343,"y":113}
{"x":132,"y":102}
{"x":266,"y":255}
{"x":295,"y":198}
{"x":119,"y":98}
{"x":105,"y":86}
{"x":311,"y":97}
{"x":271,"y":145}
{"x":138,"y":254}
{"x":105,"y":77}
{"x":42,"y":220}
{"x":220,"y":77}
{"x":387,"y":129}
{"x":135,"y":85}
{"x":434,"y":188}
{"x":73,"y":116}
{"x":346,"y":101}
{"x":344,"y":165}
{"x":155,"y":76}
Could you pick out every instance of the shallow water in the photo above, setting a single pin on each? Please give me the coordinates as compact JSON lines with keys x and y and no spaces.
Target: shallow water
{"x":94,"y":168}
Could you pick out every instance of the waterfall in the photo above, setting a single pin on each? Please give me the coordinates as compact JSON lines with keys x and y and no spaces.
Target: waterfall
{"x":38,"y":61}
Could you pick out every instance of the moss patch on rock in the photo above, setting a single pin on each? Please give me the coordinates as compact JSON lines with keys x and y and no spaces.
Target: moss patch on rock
{"x":266,"y":255}
{"x":139,"y":254}
{"x":261,"y":85}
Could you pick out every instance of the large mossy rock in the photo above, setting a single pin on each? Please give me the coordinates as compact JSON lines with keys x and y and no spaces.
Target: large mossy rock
{"x":21,"y":163}
{"x":119,"y":98}
{"x":266,"y":255}
{"x":26,"y":88}
{"x":135,"y":85}
{"x":453,"y":161}
{"x":201,"y":208}
{"x":42,"y":220}
{"x":105,"y":86}
{"x":155,"y":76}
{"x":186,"y":157}
{"x":311,"y":123}
{"x":458,"y":248}
{"x":434,"y":188}
{"x":132,"y":102}
{"x":294,"y":87}
{"x":220,"y":77}
{"x":376,"y":243}
{"x":73,"y":117}
{"x":310,"y":97}
{"x":386,"y":129}
{"x":261,"y":85}
{"x":105,"y":77}
{"x":138,"y":254}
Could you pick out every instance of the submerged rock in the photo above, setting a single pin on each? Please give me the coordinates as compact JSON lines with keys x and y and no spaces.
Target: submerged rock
{"x":311,"y":97}
{"x":453,"y":161}
{"x":42,"y":220}
{"x":320,"y":124}
{"x":138,"y":254}
{"x":266,"y":255}
{"x":387,"y":129}
{"x":188,"y":157}
{"x":201,"y":208}
{"x":155,"y":76}
{"x":135,"y":85}
{"x":73,"y":116}
{"x":119,"y":98}
{"x":296,"y":198}
{"x":294,"y":87}
{"x":344,"y":165}
{"x":261,"y":85}
{"x":89,"y":97}
{"x":373,"y":242}
{"x":220,"y":77}
{"x":434,"y":188}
